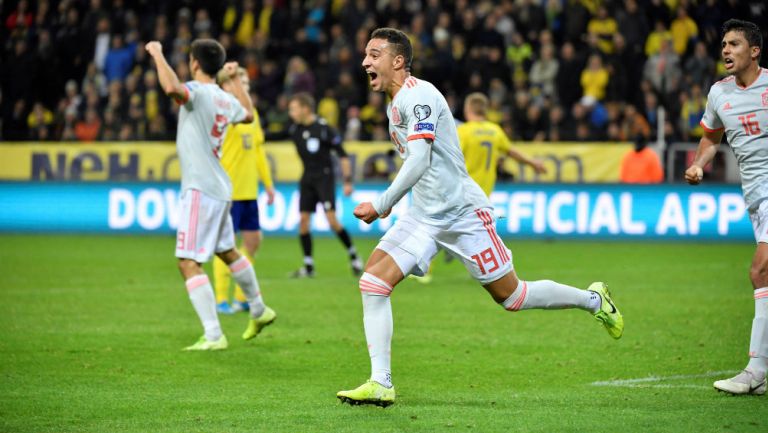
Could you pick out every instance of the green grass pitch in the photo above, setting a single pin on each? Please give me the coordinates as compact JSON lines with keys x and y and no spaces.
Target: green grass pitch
{"x":91,"y":329}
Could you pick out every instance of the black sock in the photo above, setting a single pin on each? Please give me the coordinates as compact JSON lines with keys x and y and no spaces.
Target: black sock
{"x":347,"y":241}
{"x":306,"y":247}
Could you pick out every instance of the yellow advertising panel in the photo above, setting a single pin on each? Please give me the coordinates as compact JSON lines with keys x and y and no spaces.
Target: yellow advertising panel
{"x":570,"y":162}
{"x":157,"y":161}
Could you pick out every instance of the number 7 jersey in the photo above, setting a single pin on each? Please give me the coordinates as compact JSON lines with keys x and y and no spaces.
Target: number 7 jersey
{"x":445,"y":191}
{"x":743,"y":113}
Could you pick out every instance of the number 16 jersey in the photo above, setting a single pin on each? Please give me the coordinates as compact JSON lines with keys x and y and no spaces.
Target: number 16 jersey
{"x":743,"y":113}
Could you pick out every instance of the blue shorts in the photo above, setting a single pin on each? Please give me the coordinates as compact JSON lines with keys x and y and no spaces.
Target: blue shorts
{"x":245,"y":215}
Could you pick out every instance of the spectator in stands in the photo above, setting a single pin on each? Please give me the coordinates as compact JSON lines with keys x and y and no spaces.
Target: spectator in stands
{"x":691,"y":111}
{"x":39,"y":122}
{"x":634,"y":125}
{"x":663,"y":71}
{"x":659,"y":34}
{"x":683,"y":30}
{"x":88,"y":128}
{"x":298,"y":77}
{"x":19,"y":18}
{"x":544,"y":71}
{"x":568,"y":79}
{"x":119,"y":58}
{"x":633,"y":25}
{"x":699,"y":68}
{"x":603,"y":27}
{"x":594,"y":80}
{"x":641,"y":165}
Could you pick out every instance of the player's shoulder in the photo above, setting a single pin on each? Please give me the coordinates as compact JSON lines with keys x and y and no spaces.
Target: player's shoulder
{"x":415,"y":90}
{"x":723,"y":85}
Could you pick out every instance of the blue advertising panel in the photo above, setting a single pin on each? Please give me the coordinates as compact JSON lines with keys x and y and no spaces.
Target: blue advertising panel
{"x":524,"y":210}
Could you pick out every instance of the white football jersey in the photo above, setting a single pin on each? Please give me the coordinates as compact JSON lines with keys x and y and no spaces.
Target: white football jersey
{"x":743,"y":113}
{"x":445,"y":191}
{"x":203,"y":118}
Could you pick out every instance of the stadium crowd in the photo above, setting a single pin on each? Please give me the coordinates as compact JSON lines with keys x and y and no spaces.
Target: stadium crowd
{"x":554,"y":70}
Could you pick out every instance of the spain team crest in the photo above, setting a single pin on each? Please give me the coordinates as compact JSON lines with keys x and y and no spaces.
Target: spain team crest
{"x":765,"y":98}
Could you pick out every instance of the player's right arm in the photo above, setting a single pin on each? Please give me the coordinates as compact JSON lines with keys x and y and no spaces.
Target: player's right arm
{"x":713,"y":133}
{"x":708,"y":145}
{"x":166,"y":75}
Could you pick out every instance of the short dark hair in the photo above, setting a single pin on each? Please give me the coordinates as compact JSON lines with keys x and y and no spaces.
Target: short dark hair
{"x":749,"y":29}
{"x":305,"y":99}
{"x":399,"y":41}
{"x":210,"y":54}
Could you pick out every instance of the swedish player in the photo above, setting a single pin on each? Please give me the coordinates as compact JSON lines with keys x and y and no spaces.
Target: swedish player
{"x":245,"y":161}
{"x":737,"y":107}
{"x":448,"y":211}
{"x":484,"y":144}
{"x":205,"y":226}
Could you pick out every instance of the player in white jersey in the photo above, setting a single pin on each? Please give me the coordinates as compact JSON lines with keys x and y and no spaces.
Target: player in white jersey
{"x":205,"y":225}
{"x":449,"y":211}
{"x":738,"y":107}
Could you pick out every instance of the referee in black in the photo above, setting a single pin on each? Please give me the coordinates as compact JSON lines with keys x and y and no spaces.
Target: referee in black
{"x":315,"y":140}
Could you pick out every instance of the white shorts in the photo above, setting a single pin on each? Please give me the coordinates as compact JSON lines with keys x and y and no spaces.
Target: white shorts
{"x":471,"y":239}
{"x":205,"y":227}
{"x":759,"y":220}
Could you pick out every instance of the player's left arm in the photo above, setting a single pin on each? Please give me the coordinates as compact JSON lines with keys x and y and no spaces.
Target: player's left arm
{"x":230,"y":68}
{"x":537,"y":165}
{"x":166,"y":75}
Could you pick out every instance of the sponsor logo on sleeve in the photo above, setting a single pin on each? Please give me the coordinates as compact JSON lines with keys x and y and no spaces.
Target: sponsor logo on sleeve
{"x":422,"y":112}
{"x":424,"y":127}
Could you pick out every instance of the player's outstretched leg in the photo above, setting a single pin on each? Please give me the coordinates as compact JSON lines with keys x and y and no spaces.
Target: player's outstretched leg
{"x":377,"y":320}
{"x":550,"y":295}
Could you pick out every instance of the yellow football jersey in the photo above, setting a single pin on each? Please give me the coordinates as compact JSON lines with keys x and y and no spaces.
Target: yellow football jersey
{"x":483,"y":144}
{"x":245,"y":160}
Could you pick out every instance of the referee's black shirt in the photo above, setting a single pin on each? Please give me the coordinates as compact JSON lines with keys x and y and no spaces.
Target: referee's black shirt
{"x":314,"y":143}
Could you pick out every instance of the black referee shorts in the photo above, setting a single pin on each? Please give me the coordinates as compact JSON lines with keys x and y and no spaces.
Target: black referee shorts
{"x":317,"y":190}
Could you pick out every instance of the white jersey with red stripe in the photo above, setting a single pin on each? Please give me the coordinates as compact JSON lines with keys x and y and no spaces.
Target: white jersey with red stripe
{"x":445,"y":191}
{"x":743,"y":113}
{"x":205,"y":112}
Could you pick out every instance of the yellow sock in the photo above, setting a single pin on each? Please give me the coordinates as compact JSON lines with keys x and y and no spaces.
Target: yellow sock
{"x":222,"y":277}
{"x":239,"y":295}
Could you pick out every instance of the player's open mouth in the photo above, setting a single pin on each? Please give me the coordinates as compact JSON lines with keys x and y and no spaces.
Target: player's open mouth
{"x":728,"y":62}
{"x":372,"y":76}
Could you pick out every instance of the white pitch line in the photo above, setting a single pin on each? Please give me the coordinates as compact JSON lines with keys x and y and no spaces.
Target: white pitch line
{"x":636,"y":382}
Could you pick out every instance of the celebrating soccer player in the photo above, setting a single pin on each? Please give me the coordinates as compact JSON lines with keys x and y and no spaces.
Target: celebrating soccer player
{"x":205,"y":226}
{"x":738,"y":107}
{"x":449,"y":211}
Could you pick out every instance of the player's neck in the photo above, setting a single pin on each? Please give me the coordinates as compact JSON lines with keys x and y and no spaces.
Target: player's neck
{"x":202,"y":77}
{"x":748,"y":76}
{"x":397,"y":83}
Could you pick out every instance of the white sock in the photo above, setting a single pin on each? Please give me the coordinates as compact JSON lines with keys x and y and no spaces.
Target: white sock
{"x":377,"y":320}
{"x":201,"y":295}
{"x":243,"y":273}
{"x":549,"y":295}
{"x":758,"y":343}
